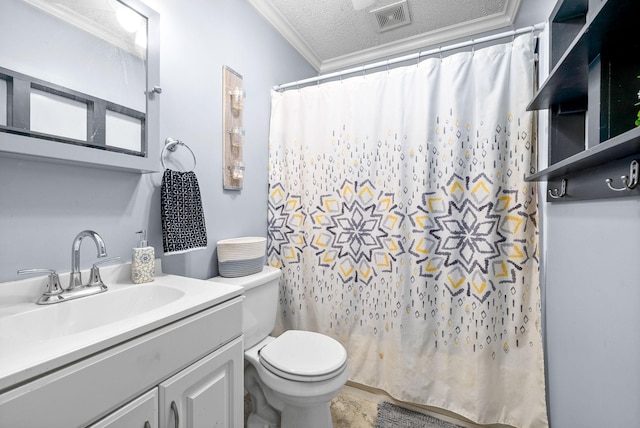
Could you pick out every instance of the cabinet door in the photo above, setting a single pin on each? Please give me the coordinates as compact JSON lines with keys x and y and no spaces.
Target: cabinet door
{"x":139,"y":413}
{"x":206,"y":394}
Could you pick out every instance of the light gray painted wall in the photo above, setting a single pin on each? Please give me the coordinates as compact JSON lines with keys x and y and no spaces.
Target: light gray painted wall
{"x":44,"y":205}
{"x":592,"y":298}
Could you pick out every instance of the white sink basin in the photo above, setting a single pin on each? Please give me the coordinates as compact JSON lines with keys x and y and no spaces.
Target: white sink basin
{"x":99,"y":310}
{"x":35,"y":339}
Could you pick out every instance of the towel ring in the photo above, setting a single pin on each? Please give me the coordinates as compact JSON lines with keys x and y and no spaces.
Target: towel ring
{"x":172,"y":144}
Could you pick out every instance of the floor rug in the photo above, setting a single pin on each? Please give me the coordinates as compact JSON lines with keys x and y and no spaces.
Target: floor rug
{"x":392,"y":416}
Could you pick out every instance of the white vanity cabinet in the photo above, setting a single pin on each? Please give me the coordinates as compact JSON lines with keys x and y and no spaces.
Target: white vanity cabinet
{"x":205,"y":394}
{"x":202,"y":395}
{"x":190,"y":369}
{"x":139,"y":413}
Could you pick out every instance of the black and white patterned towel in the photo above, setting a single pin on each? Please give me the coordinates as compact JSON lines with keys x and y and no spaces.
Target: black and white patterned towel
{"x":183,"y":227}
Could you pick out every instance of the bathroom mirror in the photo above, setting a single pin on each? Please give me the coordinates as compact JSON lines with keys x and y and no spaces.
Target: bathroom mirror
{"x":77,"y":81}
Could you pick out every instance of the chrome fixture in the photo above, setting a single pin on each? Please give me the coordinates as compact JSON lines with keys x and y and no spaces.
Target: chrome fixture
{"x":75,"y":278}
{"x":54,"y":293}
{"x":94,"y":277}
{"x":630,"y":181}
{"x":557,"y":194}
{"x":171,"y":144}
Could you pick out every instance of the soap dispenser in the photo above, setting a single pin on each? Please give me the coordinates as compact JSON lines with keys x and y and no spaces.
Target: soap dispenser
{"x":142,"y":261}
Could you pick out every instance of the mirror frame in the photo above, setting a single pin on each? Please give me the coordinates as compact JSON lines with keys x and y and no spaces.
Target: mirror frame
{"x":29,"y":146}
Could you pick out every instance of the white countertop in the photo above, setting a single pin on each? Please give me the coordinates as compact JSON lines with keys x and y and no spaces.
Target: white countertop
{"x":26,"y":354}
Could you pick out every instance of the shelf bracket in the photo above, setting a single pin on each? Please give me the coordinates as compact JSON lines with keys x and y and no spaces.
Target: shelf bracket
{"x":629,"y":181}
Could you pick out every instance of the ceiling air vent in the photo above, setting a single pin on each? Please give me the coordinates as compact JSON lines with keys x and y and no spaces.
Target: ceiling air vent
{"x":392,"y":16}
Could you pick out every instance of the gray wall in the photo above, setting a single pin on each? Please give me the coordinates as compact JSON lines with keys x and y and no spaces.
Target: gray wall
{"x":592,"y":297}
{"x":44,"y":205}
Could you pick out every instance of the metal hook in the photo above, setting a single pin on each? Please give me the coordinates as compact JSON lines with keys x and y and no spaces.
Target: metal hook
{"x":555,"y":194}
{"x":629,"y":181}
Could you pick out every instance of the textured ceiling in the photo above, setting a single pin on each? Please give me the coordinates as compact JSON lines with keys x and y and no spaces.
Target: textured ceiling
{"x":331,"y":34}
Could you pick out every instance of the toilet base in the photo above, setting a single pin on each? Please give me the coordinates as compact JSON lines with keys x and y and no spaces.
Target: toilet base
{"x":271,"y":409}
{"x":309,"y":417}
{"x":256,"y":421}
{"x":262,"y":414}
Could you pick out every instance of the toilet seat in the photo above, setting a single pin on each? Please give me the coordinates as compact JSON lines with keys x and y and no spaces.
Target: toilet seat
{"x":304,"y":356}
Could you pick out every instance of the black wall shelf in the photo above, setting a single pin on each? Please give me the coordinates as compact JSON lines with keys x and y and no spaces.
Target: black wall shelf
{"x":568,"y":81}
{"x":589,"y":94}
{"x":619,"y":147}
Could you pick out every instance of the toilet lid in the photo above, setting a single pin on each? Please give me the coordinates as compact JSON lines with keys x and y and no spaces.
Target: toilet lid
{"x":304,"y":355}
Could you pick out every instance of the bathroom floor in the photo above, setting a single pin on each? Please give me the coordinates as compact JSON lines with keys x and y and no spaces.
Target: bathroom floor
{"x":357,"y":408}
{"x":350,"y":409}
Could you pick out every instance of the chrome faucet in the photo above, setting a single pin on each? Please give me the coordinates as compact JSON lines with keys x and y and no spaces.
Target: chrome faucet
{"x":75,"y":278}
{"x":54,"y":293}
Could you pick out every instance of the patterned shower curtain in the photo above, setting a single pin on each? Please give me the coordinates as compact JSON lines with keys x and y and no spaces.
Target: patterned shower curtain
{"x":399,"y":215}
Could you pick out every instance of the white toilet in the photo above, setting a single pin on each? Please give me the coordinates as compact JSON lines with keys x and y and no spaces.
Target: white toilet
{"x":291,"y":378}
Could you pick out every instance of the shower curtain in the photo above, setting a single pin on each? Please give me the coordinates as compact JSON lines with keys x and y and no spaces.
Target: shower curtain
{"x":399,"y":215}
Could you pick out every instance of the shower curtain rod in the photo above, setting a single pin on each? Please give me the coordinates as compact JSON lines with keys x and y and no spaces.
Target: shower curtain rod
{"x":363,"y":68}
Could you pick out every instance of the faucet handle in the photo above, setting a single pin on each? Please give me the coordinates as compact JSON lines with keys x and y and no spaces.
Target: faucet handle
{"x":36,"y":270}
{"x":105,"y":261}
{"x":94,"y":276}
{"x":53,"y":290}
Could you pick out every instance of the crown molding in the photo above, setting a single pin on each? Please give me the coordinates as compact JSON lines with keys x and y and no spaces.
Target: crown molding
{"x":416,"y":43}
{"x":284,"y":27}
{"x":387,"y":50}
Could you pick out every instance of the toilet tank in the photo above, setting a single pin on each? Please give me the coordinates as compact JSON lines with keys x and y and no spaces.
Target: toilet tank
{"x":260,"y":304}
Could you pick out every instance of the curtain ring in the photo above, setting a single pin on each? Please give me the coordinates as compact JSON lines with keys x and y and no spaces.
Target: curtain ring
{"x":418,"y":60}
{"x":387,"y":65}
{"x":473,"y":47}
{"x":533,"y":34}
{"x":440,"y":52}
